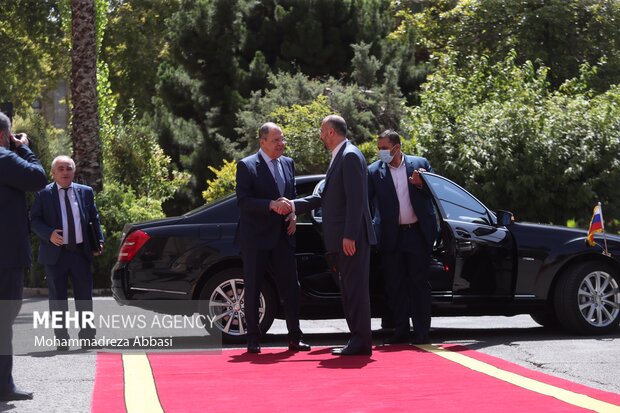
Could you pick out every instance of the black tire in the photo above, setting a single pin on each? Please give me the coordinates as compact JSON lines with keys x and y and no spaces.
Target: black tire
{"x":587,"y":299}
{"x":221,"y":300}
{"x":546,"y":318}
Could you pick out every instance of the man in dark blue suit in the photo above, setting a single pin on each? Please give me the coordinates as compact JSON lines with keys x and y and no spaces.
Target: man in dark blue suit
{"x":62,"y":215}
{"x":347,"y":230}
{"x":407,"y":229}
{"x":20,"y":172}
{"x":266,"y":232}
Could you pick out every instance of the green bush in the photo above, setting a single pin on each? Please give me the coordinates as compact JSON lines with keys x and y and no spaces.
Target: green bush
{"x":224,"y":182}
{"x":499,"y":130}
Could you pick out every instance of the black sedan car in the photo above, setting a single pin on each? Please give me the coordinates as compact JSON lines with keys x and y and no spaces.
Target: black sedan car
{"x":484,"y":263}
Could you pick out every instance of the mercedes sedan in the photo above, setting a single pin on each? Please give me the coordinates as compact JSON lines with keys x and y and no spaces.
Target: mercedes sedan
{"x":485,"y":263}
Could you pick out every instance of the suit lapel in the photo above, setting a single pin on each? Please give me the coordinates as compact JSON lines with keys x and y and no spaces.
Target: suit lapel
{"x":79,"y":198}
{"x":264,"y":174}
{"x":287,"y":170}
{"x":335,"y":164}
{"x":56,"y":203}
{"x":386,"y":176}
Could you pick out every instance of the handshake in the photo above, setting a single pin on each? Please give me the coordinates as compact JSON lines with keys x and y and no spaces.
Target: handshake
{"x":282,"y":206}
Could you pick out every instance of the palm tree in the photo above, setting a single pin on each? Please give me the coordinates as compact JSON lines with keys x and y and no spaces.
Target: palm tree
{"x":85,"y":118}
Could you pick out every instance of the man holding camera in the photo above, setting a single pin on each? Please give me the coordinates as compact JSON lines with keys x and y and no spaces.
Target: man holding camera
{"x":20,"y":172}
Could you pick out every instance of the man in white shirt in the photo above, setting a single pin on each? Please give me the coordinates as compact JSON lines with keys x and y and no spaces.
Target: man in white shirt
{"x":407,"y":228}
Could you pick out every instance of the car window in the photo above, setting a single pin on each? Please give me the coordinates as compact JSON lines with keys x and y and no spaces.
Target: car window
{"x":457,"y":204}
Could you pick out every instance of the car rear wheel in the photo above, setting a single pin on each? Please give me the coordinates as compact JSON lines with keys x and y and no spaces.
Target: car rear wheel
{"x":222,"y":301}
{"x":587,"y":300}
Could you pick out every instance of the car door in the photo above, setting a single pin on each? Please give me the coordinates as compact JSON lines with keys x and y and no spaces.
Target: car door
{"x":476,"y":252}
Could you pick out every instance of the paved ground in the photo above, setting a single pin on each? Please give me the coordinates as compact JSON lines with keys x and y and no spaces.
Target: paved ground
{"x":64,"y":382}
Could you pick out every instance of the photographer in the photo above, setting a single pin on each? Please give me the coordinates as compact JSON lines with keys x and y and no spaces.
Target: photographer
{"x":20,"y":172}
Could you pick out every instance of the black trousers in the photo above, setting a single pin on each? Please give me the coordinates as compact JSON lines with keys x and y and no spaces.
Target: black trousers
{"x":11,"y":290}
{"x":406,"y":273}
{"x":281,"y":263}
{"x":355,"y":293}
{"x":75,"y":266}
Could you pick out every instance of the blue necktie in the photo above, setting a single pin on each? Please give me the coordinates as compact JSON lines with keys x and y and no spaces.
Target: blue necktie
{"x":276,"y":174}
{"x":71,"y":245}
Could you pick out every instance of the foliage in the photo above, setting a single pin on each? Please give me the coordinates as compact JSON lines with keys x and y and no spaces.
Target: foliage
{"x":500,"y":130}
{"x":224,"y":182}
{"x":300,"y":128}
{"x":32,"y":50}
{"x":559,"y":34}
{"x":366,"y":111}
{"x":133,"y":46}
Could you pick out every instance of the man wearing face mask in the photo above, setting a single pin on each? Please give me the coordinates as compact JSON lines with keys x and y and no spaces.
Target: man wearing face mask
{"x":404,"y":217}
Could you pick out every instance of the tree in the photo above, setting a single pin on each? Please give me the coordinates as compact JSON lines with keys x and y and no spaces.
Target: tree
{"x":134,"y":45}
{"x":32,"y":50}
{"x":559,"y":34}
{"x":500,"y":130}
{"x":85,"y":116}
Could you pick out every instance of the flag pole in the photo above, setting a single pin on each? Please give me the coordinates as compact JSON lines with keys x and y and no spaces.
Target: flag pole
{"x":600,"y":208}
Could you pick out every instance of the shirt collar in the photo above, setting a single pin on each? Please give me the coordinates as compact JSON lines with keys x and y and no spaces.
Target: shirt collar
{"x":265,"y":157}
{"x":58,"y":187}
{"x":337,"y":148}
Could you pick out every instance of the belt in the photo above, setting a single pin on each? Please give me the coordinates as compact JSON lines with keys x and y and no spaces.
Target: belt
{"x":77,"y":246}
{"x":408,"y":226}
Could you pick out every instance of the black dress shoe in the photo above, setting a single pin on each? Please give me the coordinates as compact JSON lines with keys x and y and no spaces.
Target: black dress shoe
{"x":298,"y":346}
{"x":16,"y":395}
{"x":396,"y":339}
{"x":420,"y":340}
{"x":347,"y":351}
{"x":253,"y":347}
{"x":62,"y":348}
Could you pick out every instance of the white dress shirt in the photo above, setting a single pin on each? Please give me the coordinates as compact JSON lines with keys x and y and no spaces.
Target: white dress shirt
{"x":401,"y":184}
{"x":75,"y":209}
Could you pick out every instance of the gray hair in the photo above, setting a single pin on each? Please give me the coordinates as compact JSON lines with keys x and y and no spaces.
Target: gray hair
{"x":63,"y":158}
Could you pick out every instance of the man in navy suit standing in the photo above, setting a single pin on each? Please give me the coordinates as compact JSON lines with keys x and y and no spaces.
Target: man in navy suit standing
{"x":266,"y":232}
{"x":20,"y":172}
{"x":62,"y":215}
{"x":407,"y":228}
{"x":347,"y":230}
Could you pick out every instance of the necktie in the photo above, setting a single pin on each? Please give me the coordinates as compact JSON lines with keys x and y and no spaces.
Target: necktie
{"x":71,"y":245}
{"x":276,"y":174}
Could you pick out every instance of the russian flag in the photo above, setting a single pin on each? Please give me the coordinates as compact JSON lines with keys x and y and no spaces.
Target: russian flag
{"x":596,"y":224}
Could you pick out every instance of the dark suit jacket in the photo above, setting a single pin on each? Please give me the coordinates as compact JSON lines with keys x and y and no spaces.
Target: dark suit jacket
{"x":46,"y":216}
{"x":19,"y":173}
{"x":344,"y":200}
{"x":259,"y":227}
{"x":382,"y":193}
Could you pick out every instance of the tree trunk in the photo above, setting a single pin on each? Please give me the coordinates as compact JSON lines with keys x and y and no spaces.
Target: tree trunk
{"x":85,"y":119}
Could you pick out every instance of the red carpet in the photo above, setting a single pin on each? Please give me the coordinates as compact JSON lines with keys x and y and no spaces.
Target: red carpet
{"x":397,"y":378}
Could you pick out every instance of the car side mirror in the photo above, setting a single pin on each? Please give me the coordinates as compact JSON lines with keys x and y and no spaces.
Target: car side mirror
{"x":504,"y":218}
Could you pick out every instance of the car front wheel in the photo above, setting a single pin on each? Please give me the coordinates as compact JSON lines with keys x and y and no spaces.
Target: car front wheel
{"x":587,"y":300}
{"x":222,"y":301}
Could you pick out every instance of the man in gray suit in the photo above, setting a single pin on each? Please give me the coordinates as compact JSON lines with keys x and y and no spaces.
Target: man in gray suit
{"x":347,"y":229}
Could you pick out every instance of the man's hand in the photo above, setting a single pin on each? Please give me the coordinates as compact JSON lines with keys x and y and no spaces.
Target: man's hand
{"x":281,"y":206}
{"x":292,"y":223}
{"x":415,"y":178}
{"x":19,"y":140}
{"x":56,"y":237}
{"x":348,"y":246}
{"x":98,"y":253}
